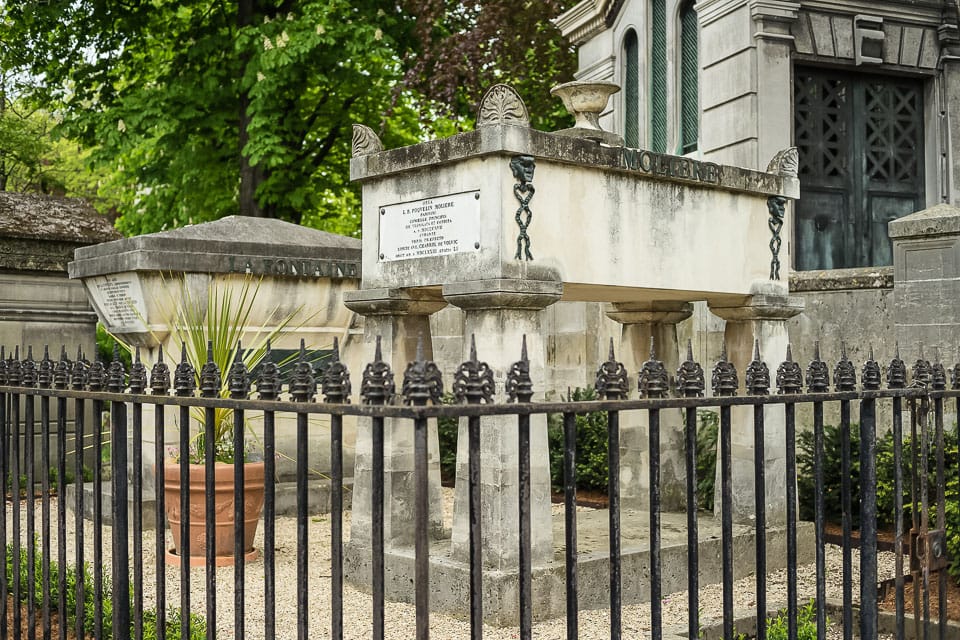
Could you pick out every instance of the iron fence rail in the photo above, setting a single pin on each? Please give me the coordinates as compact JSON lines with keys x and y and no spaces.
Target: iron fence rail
{"x":26,"y":384}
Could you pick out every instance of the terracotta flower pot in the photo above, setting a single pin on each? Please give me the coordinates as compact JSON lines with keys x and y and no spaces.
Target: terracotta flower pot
{"x":223,"y":510}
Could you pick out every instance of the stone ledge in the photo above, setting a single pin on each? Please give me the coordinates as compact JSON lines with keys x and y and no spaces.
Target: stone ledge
{"x":938,"y":220}
{"x":235,"y":244}
{"x":551,"y":146}
{"x":841,"y":279}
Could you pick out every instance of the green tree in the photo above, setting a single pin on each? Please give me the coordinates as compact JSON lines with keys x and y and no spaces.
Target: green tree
{"x":198,"y":109}
{"x":24,"y":140}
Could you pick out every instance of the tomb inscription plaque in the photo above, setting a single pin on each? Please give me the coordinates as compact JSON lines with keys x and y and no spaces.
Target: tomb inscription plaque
{"x":436,"y":226}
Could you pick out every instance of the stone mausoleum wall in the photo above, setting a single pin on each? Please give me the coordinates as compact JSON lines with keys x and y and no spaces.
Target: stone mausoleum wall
{"x":39,"y":305}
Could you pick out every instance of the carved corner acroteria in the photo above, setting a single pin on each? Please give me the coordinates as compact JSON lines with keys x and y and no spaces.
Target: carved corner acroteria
{"x":786,"y":163}
{"x":365,"y":141}
{"x":501,"y":104}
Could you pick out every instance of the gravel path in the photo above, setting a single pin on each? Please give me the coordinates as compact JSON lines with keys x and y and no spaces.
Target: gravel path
{"x":400,"y":617}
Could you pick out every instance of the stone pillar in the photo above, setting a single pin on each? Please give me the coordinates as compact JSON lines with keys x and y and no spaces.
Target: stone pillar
{"x":498,"y":314}
{"x":642,"y":321}
{"x":402,"y":321}
{"x":762,"y":317}
{"x":772,"y":20}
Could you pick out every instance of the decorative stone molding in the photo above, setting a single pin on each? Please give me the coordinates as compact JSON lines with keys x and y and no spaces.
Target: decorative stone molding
{"x":501,"y":104}
{"x":832,"y":36}
{"x":586,"y":19}
{"x":365,"y":141}
{"x":773,"y":19}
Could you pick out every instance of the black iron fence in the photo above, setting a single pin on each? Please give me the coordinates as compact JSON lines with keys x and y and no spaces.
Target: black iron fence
{"x":39,"y":397}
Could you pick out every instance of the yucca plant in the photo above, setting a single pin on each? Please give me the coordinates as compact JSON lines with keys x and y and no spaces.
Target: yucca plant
{"x":215,"y":330}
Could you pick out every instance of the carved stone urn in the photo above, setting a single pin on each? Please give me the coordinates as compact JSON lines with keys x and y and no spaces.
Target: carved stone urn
{"x":586,"y":99}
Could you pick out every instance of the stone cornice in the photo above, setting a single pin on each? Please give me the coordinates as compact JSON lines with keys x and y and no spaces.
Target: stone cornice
{"x":924,"y":13}
{"x":709,"y":11}
{"x":584,"y":20}
{"x":774,"y":10}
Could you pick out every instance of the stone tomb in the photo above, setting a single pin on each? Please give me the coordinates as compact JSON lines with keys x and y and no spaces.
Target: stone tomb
{"x":134,"y":284}
{"x":506,"y":220}
{"x":39,"y":305}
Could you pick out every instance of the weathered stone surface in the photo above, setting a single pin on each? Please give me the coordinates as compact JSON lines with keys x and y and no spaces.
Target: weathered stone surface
{"x":841,"y":279}
{"x":612,"y":224}
{"x":926,"y":268}
{"x":938,"y":220}
{"x":500,"y":314}
{"x":762,"y":320}
{"x":41,"y":217}
{"x":40,"y":233}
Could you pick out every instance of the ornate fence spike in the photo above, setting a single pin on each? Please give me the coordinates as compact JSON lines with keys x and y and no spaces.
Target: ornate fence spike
{"x":690,"y":381}
{"x":184,"y":376}
{"x":922,"y":371}
{"x":210,"y":380}
{"x":818,"y":373}
{"x":78,"y":372}
{"x":872,"y":376}
{"x":3,"y":365}
{"x":377,"y":385}
{"x":45,"y":369}
{"x":611,"y":383}
{"x":238,"y":378}
{"x":897,"y":373}
{"x":789,"y":375}
{"x":335,"y":380}
{"x":724,"y":380}
{"x":422,"y":380}
{"x":138,"y":374}
{"x":653,"y":381}
{"x":160,"y":376}
{"x":519,"y":386}
{"x":116,"y":375}
{"x":28,"y":370}
{"x":938,"y":376}
{"x":270,"y":381}
{"x":758,"y":374}
{"x":845,"y":373}
{"x":96,"y":379}
{"x":954,"y":373}
{"x":61,"y":370}
{"x":14,"y":370}
{"x":303,"y":386}
{"x":473,"y":383}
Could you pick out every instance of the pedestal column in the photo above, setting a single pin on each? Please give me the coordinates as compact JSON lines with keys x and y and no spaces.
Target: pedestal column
{"x":641,"y":322}
{"x":761,"y":318}
{"x":498,"y":314}
{"x":401,"y":319}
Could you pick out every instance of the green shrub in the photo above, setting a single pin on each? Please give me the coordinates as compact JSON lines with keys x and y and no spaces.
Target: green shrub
{"x":447,"y":430}
{"x":197,"y":624}
{"x":592,"y":466}
{"x":833,"y":506}
{"x":806,"y":624}
{"x":885,"y":474}
{"x":708,"y":423}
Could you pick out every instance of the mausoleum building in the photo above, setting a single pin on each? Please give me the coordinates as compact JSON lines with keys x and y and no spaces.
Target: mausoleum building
{"x":869,"y":93}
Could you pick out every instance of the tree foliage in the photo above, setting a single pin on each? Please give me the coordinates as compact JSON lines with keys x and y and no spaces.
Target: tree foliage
{"x":462,"y":48}
{"x":203,"y":108}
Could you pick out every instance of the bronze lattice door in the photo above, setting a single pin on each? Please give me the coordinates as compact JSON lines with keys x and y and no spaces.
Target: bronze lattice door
{"x":860,"y":139}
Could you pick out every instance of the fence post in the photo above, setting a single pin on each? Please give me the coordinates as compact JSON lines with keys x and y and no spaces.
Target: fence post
{"x":121,"y":566}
